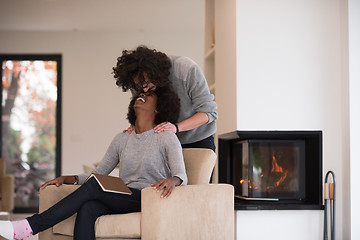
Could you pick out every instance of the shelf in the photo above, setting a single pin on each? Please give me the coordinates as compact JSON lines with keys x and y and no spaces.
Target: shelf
{"x":212,"y":87}
{"x":209,"y":24}
{"x":210,"y":54}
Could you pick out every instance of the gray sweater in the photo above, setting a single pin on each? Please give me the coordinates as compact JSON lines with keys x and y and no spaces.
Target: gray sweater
{"x":190,"y":84}
{"x":144,"y":158}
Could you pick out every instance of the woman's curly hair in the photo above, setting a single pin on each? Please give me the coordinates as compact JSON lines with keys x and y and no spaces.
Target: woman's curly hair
{"x":167,"y":106}
{"x":135,"y":63}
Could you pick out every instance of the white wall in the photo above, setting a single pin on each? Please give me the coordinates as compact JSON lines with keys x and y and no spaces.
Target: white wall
{"x":279,"y":225}
{"x":291,"y":76}
{"x":94,"y":109}
{"x":354,"y":86}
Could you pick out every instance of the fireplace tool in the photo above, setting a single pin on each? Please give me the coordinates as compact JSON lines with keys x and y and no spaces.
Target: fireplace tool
{"x":329,"y":210}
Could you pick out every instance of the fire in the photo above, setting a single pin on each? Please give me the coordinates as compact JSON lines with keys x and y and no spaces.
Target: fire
{"x":277,"y":168}
{"x":275,"y":165}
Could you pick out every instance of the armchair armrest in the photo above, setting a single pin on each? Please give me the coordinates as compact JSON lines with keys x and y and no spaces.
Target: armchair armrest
{"x":52,"y":194}
{"x":48,"y":197}
{"x":190,"y":212}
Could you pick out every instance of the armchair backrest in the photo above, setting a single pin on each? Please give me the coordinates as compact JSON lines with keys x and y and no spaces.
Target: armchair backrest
{"x":199,"y":164}
{"x":6,"y":189}
{"x":2,"y":167}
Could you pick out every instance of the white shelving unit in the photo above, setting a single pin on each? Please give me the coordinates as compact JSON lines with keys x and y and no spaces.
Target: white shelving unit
{"x":220,"y":62}
{"x":209,"y":57}
{"x":209,"y":44}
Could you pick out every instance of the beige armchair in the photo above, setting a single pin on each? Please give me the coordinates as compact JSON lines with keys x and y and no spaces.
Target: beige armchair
{"x":6,"y":189}
{"x":197,"y":211}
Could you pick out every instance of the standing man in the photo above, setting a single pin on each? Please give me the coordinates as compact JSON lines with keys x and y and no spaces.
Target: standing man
{"x":198,"y":113}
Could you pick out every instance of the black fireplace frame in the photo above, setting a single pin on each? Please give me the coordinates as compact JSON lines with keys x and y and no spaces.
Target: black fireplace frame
{"x":313,"y":167}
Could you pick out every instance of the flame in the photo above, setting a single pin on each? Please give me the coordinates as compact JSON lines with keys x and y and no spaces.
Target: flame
{"x":277,"y":168}
{"x":241,"y":181}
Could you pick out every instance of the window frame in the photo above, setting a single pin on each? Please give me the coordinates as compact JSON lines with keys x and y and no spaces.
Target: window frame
{"x":58,"y":117}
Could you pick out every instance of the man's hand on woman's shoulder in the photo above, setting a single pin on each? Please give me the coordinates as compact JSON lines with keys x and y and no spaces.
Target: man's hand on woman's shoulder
{"x":165,"y":126}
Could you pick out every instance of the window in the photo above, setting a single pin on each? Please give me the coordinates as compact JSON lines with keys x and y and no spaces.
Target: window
{"x":31,"y":123}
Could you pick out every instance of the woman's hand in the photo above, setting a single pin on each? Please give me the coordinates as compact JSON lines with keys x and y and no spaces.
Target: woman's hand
{"x":57,"y":181}
{"x":130,"y":129}
{"x":165,"y":126}
{"x":167,"y":185}
{"x":61,"y":180}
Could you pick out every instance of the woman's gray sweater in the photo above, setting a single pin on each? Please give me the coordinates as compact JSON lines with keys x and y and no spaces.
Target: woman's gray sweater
{"x":144,"y":158}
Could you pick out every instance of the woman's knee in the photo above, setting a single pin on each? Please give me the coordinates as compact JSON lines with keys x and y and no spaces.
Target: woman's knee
{"x":85,"y":220}
{"x":91,"y":210}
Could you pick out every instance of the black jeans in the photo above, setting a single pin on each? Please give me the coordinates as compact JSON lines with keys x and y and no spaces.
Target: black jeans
{"x":205,"y":143}
{"x":89,"y":202}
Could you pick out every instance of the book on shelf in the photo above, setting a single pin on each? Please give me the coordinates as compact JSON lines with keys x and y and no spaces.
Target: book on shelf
{"x":111,"y":184}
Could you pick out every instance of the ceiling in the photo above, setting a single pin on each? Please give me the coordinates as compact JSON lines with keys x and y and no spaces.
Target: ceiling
{"x":101,"y":15}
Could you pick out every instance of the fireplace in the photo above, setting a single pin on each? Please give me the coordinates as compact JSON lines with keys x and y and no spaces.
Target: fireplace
{"x":273,"y":169}
{"x":269,"y":169}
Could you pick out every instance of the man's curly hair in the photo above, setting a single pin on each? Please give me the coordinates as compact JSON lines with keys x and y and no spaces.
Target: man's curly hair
{"x":135,"y":63}
{"x":167,"y":106}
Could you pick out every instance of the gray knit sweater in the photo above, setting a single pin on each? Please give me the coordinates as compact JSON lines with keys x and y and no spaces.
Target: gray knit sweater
{"x":190,"y":84}
{"x":144,"y":158}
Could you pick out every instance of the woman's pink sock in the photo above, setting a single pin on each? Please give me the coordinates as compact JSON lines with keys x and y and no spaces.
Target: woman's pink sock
{"x":22,"y":230}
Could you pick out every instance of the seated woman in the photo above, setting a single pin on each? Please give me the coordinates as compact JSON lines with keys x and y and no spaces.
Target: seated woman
{"x":146,"y":159}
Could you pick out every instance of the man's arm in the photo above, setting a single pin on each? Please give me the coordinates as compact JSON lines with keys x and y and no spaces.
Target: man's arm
{"x":190,"y":123}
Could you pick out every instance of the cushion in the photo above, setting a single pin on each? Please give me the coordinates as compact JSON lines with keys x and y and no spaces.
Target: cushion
{"x":199,"y":164}
{"x":117,"y":225}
